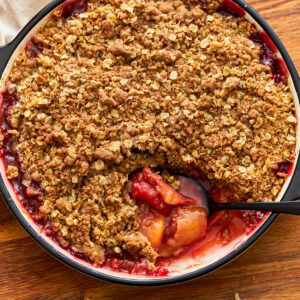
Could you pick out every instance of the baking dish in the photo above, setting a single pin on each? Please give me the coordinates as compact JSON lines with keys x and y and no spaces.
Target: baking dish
{"x":185,"y":269}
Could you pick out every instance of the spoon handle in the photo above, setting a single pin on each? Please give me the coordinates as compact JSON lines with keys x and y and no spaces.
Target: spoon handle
{"x":289,"y":207}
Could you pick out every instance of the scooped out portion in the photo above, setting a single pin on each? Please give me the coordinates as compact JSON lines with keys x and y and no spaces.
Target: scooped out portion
{"x":169,"y":220}
{"x":174,"y":224}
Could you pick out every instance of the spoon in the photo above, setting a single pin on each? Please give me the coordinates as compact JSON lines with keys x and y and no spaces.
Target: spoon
{"x":193,"y":189}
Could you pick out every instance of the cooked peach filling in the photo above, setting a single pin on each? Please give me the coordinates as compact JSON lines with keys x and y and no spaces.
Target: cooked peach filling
{"x":170,"y":221}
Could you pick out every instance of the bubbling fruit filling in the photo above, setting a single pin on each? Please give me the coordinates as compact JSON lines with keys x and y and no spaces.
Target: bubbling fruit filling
{"x":111,"y":99}
{"x":172,"y":222}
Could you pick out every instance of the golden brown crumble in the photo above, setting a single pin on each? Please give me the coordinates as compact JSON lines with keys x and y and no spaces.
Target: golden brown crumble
{"x":129,"y":84}
{"x":12,"y":172}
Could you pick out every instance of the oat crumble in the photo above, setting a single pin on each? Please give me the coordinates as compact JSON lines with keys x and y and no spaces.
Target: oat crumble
{"x":128,"y":84}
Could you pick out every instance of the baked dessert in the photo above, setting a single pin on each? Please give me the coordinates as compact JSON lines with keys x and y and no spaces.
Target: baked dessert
{"x":111,"y":99}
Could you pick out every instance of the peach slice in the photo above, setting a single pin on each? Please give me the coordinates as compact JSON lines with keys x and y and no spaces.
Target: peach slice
{"x":169,"y":195}
{"x":152,"y":226}
{"x":150,"y":188}
{"x":188,"y":225}
{"x":145,"y":190}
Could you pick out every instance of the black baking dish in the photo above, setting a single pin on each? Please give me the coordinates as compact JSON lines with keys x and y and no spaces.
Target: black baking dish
{"x":292,"y":190}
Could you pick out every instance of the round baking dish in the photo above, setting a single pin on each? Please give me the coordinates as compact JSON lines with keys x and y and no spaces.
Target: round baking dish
{"x":185,"y":270}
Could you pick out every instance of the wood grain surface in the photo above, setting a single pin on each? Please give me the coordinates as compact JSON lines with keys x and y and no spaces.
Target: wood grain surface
{"x":269,"y":270}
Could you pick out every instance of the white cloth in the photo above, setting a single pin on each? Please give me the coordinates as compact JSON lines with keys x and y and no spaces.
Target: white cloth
{"x":15,"y":14}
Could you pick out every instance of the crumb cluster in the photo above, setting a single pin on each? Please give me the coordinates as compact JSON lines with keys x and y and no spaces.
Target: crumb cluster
{"x":128,"y":84}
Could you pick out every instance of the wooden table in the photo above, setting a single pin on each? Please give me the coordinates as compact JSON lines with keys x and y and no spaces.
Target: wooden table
{"x":269,"y":270}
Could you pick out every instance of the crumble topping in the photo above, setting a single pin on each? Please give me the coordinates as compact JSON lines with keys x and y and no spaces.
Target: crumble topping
{"x":12,"y":172}
{"x":128,"y":84}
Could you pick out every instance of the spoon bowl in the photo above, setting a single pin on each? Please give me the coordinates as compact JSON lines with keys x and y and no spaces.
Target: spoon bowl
{"x":193,"y":189}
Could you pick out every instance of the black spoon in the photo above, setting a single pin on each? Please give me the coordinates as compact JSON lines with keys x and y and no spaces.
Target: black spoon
{"x":193,"y":189}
